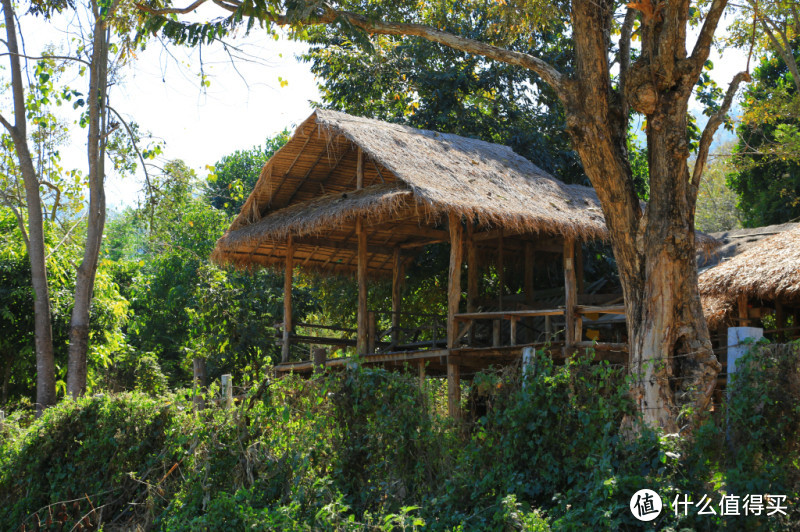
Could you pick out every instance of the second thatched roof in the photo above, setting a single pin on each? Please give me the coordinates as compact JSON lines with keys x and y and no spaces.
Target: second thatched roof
{"x":767,"y":270}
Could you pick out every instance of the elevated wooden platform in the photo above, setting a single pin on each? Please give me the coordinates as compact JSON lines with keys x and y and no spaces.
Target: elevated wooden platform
{"x":435,"y":361}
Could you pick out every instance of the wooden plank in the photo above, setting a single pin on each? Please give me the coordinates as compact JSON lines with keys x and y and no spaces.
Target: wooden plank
{"x":397,"y":282}
{"x":361,"y":274}
{"x":600,"y":309}
{"x":508,"y":314}
{"x":454,"y":276}
{"x":287,"y":298}
{"x":570,"y":292}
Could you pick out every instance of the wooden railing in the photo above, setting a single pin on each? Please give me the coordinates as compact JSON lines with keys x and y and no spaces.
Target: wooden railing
{"x":465,"y":321}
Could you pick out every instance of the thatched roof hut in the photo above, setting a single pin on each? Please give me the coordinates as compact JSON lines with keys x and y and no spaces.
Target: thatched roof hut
{"x":411,"y":180}
{"x":736,"y":241}
{"x":768,"y":270}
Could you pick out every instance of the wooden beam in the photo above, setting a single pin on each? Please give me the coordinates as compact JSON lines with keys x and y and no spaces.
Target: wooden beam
{"x":397,"y":283}
{"x":304,"y":178}
{"x":287,"y":298}
{"x":333,"y":244}
{"x":296,"y":157}
{"x":570,"y":294}
{"x":361,"y":273}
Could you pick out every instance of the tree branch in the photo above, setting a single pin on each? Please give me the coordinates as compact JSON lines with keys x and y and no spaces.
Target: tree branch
{"x":625,"y":55}
{"x":7,"y":124}
{"x":703,"y":45}
{"x":711,"y":128}
{"x":547,"y":72}
{"x":784,"y":50}
{"x":37,"y":58}
{"x":135,"y":147}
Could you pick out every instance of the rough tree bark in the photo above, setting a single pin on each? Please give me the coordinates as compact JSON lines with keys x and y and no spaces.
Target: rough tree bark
{"x":670,"y":350}
{"x":45,"y":365}
{"x":84,"y":281}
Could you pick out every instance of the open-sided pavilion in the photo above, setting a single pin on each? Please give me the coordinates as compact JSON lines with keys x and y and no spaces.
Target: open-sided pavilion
{"x":349,"y":195}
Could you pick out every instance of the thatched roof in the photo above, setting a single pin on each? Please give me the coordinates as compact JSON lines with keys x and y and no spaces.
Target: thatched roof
{"x":412,"y":179}
{"x":736,"y":241}
{"x":767,"y":270}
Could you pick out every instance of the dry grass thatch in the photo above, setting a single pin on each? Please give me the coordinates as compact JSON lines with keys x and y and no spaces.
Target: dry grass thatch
{"x":410,"y":175}
{"x":767,"y":270}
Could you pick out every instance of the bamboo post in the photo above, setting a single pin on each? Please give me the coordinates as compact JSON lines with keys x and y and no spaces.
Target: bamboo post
{"x":570,"y":293}
{"x":320,"y":356}
{"x":287,"y":298}
{"x":227,"y":390}
{"x":199,"y":374}
{"x":371,"y":331}
{"x":472,"y":276}
{"x":453,"y":300}
{"x":397,"y":280}
{"x":360,"y":169}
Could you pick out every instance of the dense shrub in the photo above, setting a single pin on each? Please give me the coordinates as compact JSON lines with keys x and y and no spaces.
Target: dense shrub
{"x":365,"y":449}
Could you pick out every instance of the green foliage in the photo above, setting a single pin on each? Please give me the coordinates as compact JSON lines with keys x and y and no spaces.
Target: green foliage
{"x":426,"y":85}
{"x":716,"y":203}
{"x":768,"y":177}
{"x":365,"y":450}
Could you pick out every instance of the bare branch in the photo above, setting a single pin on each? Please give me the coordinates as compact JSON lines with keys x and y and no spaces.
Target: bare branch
{"x":39,"y":57}
{"x":51,"y":186}
{"x":135,"y":147}
{"x":625,"y":54}
{"x":7,"y":125}
{"x":711,"y":128}
{"x":171,"y":10}
{"x":329,"y":16}
{"x":703,"y":45}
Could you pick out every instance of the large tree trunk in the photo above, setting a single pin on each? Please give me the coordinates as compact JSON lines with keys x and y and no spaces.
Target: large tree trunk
{"x":671,"y":360}
{"x":45,"y":365}
{"x":84,"y":282}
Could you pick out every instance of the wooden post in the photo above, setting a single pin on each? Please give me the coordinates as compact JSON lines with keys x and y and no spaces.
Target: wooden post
{"x":453,"y":300}
{"x":472,"y":277}
{"x":780,"y":319}
{"x":227,"y":390}
{"x":199,"y":374}
{"x":530,"y":262}
{"x":360,"y":170}
{"x":2,"y":419}
{"x":361,"y":272}
{"x":570,"y":293}
{"x":454,"y":277}
{"x":371,"y":331}
{"x":397,"y":282}
{"x":579,"y":266}
{"x":363,"y":319}
{"x":513,"y":328}
{"x":421,"y":366}
{"x":496,"y":333}
{"x":744,"y":320}
{"x":500,"y":269}
{"x":320,"y":356}
{"x":287,"y":298}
